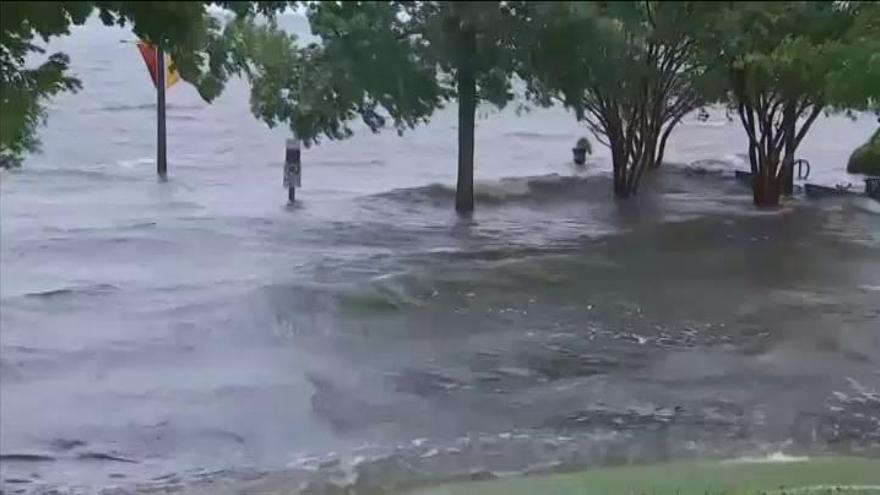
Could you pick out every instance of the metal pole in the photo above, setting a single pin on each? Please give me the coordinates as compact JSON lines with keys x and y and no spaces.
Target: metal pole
{"x":292,"y":168}
{"x":161,"y":164}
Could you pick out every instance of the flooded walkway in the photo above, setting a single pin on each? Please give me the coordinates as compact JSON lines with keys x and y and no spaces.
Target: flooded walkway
{"x":175,"y":335}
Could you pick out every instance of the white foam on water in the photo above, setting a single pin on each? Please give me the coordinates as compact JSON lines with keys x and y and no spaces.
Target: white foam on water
{"x":135,"y":162}
{"x":775,"y":457}
{"x":868,"y":205}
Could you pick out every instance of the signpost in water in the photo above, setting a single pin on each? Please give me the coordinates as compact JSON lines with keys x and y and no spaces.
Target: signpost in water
{"x":292,"y":168}
{"x":164,"y":76}
{"x":161,"y":156}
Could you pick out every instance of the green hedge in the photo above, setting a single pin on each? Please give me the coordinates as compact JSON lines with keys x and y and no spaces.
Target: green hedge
{"x":866,"y":158}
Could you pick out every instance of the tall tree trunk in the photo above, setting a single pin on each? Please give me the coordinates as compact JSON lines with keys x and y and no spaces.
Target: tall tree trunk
{"x":786,"y":178}
{"x":789,"y":121}
{"x":467,"y":108}
{"x":765,"y":184}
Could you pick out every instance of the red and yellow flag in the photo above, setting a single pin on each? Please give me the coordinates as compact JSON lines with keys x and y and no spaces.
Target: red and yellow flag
{"x":148,"y":52}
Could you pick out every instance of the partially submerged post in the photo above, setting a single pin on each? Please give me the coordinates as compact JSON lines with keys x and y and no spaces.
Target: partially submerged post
{"x":788,"y":174}
{"x":292,"y":168}
{"x":580,"y":151}
{"x":803,"y":168}
{"x":872,"y":187}
{"x":161,"y":163}
{"x":164,"y":75}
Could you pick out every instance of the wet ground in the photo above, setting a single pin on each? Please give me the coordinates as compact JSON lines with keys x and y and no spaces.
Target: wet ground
{"x":198,"y":334}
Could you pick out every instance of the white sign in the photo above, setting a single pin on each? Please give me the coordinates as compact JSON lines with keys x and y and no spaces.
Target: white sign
{"x":292,"y":175}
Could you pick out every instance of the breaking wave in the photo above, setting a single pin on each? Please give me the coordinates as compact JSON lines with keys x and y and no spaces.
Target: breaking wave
{"x":543,"y":187}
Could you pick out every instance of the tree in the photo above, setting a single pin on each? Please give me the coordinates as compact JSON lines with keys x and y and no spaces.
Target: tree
{"x":786,"y":62}
{"x":397,"y":60}
{"x":24,"y":90}
{"x":856,"y":82}
{"x":318,"y":90}
{"x":185,"y":29}
{"x":628,"y":69}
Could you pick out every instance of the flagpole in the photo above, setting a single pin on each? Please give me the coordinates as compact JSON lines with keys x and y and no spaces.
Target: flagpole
{"x":161,"y":164}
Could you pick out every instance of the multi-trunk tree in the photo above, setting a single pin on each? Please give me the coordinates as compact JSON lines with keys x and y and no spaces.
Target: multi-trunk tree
{"x":786,"y":63}
{"x":629,"y":70}
{"x":29,"y":79}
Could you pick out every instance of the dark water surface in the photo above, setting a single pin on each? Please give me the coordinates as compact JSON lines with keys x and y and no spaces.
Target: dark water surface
{"x":165,"y":333}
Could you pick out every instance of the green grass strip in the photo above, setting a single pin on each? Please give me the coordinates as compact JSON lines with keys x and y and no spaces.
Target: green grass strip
{"x":831,"y":475}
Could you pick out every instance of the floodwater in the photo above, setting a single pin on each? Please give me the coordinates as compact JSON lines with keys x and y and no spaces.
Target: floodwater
{"x":182,"y":334}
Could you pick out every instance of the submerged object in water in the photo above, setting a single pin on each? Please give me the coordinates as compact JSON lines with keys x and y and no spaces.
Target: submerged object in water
{"x":580,"y":151}
{"x":743,"y":176}
{"x":872,"y":187}
{"x":817,"y":191}
{"x":803,"y":168}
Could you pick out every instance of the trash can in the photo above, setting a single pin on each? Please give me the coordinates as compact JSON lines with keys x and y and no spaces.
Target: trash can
{"x":580,"y":151}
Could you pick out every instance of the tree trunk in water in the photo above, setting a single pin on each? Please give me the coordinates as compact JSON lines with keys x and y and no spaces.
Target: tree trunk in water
{"x":765,"y":185}
{"x":467,"y":107}
{"x":765,"y":189}
{"x":788,"y":128}
{"x":787,"y":178}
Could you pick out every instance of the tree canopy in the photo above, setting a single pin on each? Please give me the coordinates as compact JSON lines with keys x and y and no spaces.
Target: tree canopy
{"x":787,"y":62}
{"x":629,"y":70}
{"x":392,"y":60}
{"x":185,"y":29}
